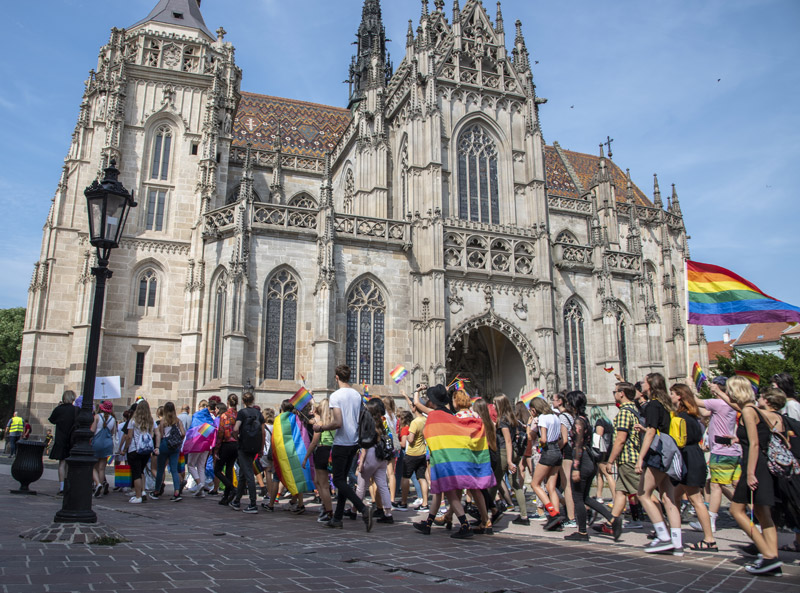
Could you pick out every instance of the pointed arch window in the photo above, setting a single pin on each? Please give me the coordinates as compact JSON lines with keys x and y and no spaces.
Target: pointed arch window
{"x":622,"y":344}
{"x":478,"y":192}
{"x":220,"y":303}
{"x":574,"y":346}
{"x":162,"y":146}
{"x":366,"y":314}
{"x":303,"y":201}
{"x":281,"y":326}
{"x":148,"y":289}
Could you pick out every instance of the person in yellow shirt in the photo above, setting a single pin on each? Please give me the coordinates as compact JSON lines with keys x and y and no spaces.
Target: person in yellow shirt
{"x":14,"y":430}
{"x":415,"y":462}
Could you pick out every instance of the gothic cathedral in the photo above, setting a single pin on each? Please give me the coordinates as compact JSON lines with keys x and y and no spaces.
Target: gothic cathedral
{"x":428,"y":224}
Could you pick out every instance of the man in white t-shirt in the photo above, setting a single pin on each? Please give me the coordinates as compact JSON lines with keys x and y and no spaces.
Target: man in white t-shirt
{"x":345,"y":405}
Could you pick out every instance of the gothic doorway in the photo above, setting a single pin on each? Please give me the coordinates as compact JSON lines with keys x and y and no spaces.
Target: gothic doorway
{"x":490,"y":361}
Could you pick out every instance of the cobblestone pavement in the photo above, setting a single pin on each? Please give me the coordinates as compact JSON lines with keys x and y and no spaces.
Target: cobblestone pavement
{"x":197,"y":546}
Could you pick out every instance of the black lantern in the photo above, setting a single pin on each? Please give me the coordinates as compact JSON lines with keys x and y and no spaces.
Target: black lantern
{"x":108,"y":203}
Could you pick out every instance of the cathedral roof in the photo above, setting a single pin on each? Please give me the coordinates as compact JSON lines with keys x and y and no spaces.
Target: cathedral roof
{"x":306,"y":129}
{"x":584,"y":166}
{"x":184,"y":13}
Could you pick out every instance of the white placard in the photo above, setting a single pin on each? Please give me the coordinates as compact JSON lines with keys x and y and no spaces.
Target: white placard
{"x":106,"y":388}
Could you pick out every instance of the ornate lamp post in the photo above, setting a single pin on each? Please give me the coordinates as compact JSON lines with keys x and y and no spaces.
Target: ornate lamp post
{"x":108,"y":205}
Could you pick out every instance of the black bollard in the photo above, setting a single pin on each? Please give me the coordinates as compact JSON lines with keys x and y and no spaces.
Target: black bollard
{"x":28,"y":466}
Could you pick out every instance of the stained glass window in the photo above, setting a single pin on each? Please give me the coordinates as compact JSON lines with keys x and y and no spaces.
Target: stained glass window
{"x":281,"y":326}
{"x":148,"y":287}
{"x":574,"y":346}
{"x":478,"y":192}
{"x":366,"y":313}
{"x":221,"y":294}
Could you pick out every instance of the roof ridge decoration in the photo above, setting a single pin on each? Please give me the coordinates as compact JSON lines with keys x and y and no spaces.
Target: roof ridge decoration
{"x":183,"y":13}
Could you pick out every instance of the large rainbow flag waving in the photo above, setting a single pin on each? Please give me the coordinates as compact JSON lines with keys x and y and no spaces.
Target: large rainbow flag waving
{"x":719,"y":297}
{"x":290,"y":442}
{"x":459,"y":453}
{"x":201,"y":434}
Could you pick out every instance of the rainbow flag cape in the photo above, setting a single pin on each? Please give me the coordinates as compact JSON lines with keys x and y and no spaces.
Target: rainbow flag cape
{"x":719,"y":297}
{"x":290,"y":442}
{"x":397,"y":373}
{"x":527,"y":398}
{"x":301,"y":399}
{"x":699,"y":376}
{"x":459,"y":453}
{"x":201,"y":434}
{"x":754,"y":378}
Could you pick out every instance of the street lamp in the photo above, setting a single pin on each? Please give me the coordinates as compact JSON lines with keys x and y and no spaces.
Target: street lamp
{"x":108,"y":204}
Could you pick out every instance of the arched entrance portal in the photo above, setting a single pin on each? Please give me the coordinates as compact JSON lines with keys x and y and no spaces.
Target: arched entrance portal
{"x":490,"y":361}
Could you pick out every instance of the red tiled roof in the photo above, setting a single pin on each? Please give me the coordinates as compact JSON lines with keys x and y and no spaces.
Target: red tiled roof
{"x":793,"y":332}
{"x":307,"y":129}
{"x":586,"y":165}
{"x":762,"y":333}
{"x":719,"y":348}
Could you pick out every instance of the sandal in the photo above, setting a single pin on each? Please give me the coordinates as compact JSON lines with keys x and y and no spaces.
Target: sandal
{"x":704,"y":546}
{"x":792,"y":547}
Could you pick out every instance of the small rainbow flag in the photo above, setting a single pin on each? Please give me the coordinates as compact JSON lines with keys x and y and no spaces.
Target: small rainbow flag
{"x":398,"y":373}
{"x":301,"y":399}
{"x":528,"y":397}
{"x":459,"y":453}
{"x":206,"y":429}
{"x":365,"y":397}
{"x":474,"y":398}
{"x":699,"y":376}
{"x":460,"y":385}
{"x":608,"y":369}
{"x":754,"y":378}
{"x":720,"y":297}
{"x":290,"y":441}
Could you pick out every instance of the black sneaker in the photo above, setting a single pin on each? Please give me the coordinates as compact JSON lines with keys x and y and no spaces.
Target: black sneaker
{"x":765,"y":566}
{"x":378,"y":513}
{"x":105,"y":488}
{"x":368,"y":518}
{"x":464,"y":532}
{"x":234,"y":505}
{"x":521,"y":521}
{"x":267,"y":507}
{"x":251,"y":509}
{"x":224,"y":500}
{"x":424,"y":509}
{"x":616,"y":528}
{"x":334,"y":524}
{"x":577,"y":537}
{"x":553,"y":523}
{"x":385,"y":519}
{"x":350,"y":514}
{"x":423,"y":527}
{"x":472,"y":510}
{"x":176,"y":497}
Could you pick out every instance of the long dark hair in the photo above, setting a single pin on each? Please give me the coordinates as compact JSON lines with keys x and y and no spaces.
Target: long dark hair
{"x":505,"y":411}
{"x":481,"y":408}
{"x":378,"y":410}
{"x":658,"y":390}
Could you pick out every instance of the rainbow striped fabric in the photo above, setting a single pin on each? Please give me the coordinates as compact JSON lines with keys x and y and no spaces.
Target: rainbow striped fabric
{"x":122,"y":476}
{"x":719,"y":297}
{"x":201,"y":434}
{"x":699,"y":376}
{"x":528,"y":397}
{"x":290,"y":442}
{"x":206,"y":429}
{"x":397,"y":373}
{"x":301,"y":399}
{"x":754,"y":378}
{"x":459,"y":453}
{"x":460,"y":385}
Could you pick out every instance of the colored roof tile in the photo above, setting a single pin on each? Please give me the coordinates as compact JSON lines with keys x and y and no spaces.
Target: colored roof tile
{"x":762,"y":333}
{"x":586,"y":165}
{"x":307,"y":129}
{"x":719,"y":348}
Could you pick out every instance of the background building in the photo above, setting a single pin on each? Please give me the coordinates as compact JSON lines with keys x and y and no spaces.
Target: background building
{"x":426,"y":224}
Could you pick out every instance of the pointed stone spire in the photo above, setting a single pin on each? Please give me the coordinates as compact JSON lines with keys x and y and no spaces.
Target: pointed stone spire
{"x":276,"y":187}
{"x":456,"y":11}
{"x":183,"y":13}
{"x":439,"y":4}
{"x":657,"y":193}
{"x":246,"y":185}
{"x":371,"y":43}
{"x":424,"y":10}
{"x":499,"y":20}
{"x":410,"y":34}
{"x":520,"y":52}
{"x":634,"y":234}
{"x":676,"y":207}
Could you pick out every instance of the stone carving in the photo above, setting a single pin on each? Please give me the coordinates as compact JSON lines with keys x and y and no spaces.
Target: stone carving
{"x":521,"y":308}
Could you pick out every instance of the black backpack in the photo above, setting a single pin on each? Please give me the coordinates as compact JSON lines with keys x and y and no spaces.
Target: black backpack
{"x":367,"y":434}
{"x":520,"y":440}
{"x":384,"y":448}
{"x":250,"y":434}
{"x":174,"y":438}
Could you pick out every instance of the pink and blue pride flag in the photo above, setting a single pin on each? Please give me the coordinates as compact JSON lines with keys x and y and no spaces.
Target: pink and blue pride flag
{"x":301,"y":399}
{"x":398,"y":373}
{"x":459,"y":453}
{"x":527,"y":398}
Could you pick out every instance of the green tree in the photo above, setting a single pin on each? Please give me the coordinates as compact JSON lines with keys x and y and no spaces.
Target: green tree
{"x":11,"y":324}
{"x":764,"y":365}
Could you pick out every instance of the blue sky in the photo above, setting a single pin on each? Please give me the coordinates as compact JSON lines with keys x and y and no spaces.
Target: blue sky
{"x":699,"y":92}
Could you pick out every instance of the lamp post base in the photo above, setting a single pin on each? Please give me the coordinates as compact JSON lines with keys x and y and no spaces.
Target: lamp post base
{"x":77,"y":502}
{"x":75,"y":533}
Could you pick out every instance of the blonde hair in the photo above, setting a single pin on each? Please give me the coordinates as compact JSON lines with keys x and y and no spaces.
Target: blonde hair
{"x":775,"y":398}
{"x":540,"y":406}
{"x":388,"y":402}
{"x":740,"y":391}
{"x":143,"y":417}
{"x":324,"y":412}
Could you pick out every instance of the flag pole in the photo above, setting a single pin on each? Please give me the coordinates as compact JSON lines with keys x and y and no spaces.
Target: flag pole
{"x":686,"y":302}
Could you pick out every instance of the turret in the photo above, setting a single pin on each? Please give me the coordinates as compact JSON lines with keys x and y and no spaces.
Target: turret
{"x":676,"y":207}
{"x":520,"y":52}
{"x":634,"y":232}
{"x":370,"y":67}
{"x":183,"y":13}
{"x":657,"y":193}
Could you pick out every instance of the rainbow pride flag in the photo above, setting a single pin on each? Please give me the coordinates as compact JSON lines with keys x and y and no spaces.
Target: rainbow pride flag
{"x":460,"y":385}
{"x":608,"y":369}
{"x":397,"y":373}
{"x":301,"y":399}
{"x":290,"y":442}
{"x":459,"y":452}
{"x":719,"y":297}
{"x":754,"y":378}
{"x":527,"y":398}
{"x":122,"y":475}
{"x":201,"y":434}
{"x":699,"y":376}
{"x":206,"y":429}
{"x":365,"y":396}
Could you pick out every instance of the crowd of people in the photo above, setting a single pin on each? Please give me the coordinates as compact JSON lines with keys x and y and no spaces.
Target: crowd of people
{"x":472,"y":460}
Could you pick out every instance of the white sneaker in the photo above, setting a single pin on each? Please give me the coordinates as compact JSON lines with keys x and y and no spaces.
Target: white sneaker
{"x":135,"y":500}
{"x":633,"y":525}
{"x":695,"y":525}
{"x":200,"y":493}
{"x":416,"y":504}
{"x":600,"y":500}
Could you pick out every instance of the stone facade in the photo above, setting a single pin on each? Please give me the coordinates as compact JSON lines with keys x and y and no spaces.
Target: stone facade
{"x":428,"y":225}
